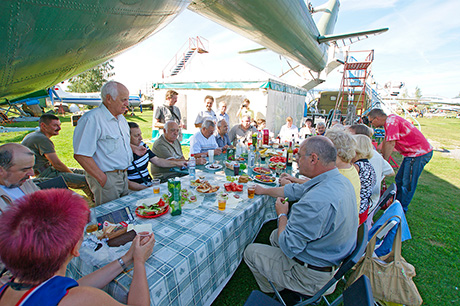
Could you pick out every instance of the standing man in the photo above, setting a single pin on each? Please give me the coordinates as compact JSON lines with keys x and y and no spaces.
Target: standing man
{"x":47,"y":163}
{"x":207,"y":114}
{"x":223,"y":114}
{"x":169,"y":111}
{"x":204,"y":140}
{"x":317,"y":234}
{"x":403,"y":136}
{"x":16,"y":166}
{"x":242,"y":131}
{"x":288,"y":130}
{"x":222,"y":136}
{"x":101,"y":144}
{"x":245,"y":111}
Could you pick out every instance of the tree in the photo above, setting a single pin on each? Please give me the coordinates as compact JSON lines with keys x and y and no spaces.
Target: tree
{"x":418,"y":92}
{"x":92,"y":80}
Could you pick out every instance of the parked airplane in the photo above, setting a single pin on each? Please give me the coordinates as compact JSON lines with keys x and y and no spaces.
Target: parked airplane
{"x":93,"y":98}
{"x":44,"y":44}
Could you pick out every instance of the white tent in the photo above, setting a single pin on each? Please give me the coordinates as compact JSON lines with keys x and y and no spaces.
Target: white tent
{"x":270,"y":97}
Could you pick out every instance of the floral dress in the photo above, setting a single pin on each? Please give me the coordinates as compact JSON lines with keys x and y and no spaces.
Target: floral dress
{"x":368,"y":180}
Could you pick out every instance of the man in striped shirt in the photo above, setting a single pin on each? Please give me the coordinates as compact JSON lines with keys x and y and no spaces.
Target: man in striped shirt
{"x":138,"y":173}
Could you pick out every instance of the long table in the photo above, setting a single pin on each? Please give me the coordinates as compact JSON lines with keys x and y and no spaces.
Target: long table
{"x":197,"y":252}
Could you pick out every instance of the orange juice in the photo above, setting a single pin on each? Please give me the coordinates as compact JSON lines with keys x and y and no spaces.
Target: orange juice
{"x":91,"y":228}
{"x":156,"y":189}
{"x":222,"y":203}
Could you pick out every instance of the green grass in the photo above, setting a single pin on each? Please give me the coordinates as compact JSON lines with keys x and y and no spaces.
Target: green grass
{"x":433,"y":215}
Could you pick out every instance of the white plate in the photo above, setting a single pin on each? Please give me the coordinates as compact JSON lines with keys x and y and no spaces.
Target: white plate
{"x":260,"y":181}
{"x":215,"y":168}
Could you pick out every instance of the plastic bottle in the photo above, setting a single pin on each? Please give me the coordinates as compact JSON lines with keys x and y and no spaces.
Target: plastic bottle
{"x":251,"y":156}
{"x":191,"y":167}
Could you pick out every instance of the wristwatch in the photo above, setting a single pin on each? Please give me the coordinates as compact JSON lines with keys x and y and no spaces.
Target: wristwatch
{"x":280,"y":215}
{"x":122,"y":263}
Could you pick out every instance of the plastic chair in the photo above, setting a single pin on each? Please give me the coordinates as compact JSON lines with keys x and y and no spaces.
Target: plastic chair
{"x":347,"y":264}
{"x":57,"y":182}
{"x":359,"y":293}
{"x":390,"y":193}
{"x":257,"y":298}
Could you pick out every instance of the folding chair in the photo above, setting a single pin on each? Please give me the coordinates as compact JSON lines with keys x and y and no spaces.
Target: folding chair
{"x":359,"y":293}
{"x":347,"y":264}
{"x":390,"y":193}
{"x":57,"y":182}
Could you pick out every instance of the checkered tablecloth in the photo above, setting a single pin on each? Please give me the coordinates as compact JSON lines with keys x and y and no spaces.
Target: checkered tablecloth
{"x":195,"y":253}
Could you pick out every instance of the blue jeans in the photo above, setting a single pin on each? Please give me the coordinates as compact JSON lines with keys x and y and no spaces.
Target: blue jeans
{"x":407,"y":177}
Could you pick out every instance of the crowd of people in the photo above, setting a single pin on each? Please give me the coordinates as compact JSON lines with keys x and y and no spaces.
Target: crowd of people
{"x":341,"y":169}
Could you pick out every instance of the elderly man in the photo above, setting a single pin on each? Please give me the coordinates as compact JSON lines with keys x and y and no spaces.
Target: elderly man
{"x":223,"y":113}
{"x":207,"y":114}
{"x":47,"y":162}
{"x":169,"y":111}
{"x":319,"y":232}
{"x":321,"y":128}
{"x":138,"y":174}
{"x":204,"y":140}
{"x":403,"y":136}
{"x":16,"y":166}
{"x":289,"y":130}
{"x":101,"y":144}
{"x":222,"y":136}
{"x":168,"y":147}
{"x":242,"y":131}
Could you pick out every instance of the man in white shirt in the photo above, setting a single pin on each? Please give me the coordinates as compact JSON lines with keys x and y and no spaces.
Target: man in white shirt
{"x":101,"y":144}
{"x":16,"y":166}
{"x":204,"y":140}
{"x":288,"y":130}
{"x":223,"y":115}
{"x":207,"y":114}
{"x":242,"y":132}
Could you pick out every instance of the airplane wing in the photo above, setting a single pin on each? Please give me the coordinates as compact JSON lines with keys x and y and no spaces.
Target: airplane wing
{"x":358,"y":36}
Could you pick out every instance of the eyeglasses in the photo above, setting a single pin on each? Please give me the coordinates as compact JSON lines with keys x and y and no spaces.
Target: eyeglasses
{"x":371,"y":121}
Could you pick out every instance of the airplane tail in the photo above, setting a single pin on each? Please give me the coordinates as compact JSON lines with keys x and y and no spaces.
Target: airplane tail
{"x":328,"y":20}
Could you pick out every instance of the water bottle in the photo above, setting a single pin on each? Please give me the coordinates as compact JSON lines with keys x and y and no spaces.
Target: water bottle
{"x":251,"y":157}
{"x":191,"y":167}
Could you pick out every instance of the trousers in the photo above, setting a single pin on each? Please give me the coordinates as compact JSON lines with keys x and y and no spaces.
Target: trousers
{"x":268,"y":262}
{"x":75,"y":180}
{"x":407,"y":177}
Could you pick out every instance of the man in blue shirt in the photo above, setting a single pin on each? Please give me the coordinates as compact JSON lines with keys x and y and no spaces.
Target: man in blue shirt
{"x":222,"y":136}
{"x":320,"y":230}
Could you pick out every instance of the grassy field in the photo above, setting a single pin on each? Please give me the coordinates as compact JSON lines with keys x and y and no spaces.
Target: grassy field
{"x":433,"y":214}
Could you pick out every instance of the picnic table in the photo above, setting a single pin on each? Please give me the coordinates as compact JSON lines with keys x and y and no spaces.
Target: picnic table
{"x":195,"y":253}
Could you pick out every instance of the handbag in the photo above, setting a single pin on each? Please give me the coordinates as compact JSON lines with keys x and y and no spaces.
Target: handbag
{"x":390,"y":275}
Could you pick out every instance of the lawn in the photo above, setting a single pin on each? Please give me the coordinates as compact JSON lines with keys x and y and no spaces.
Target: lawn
{"x":433,"y":214}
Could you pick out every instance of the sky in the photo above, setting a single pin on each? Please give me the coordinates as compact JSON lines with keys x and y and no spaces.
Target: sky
{"x":421,"y":48}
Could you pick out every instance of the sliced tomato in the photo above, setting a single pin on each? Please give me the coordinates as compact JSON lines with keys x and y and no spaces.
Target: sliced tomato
{"x":239,"y":188}
{"x":161,"y":203}
{"x":296,"y":150}
{"x":228,"y":188}
{"x":227,"y":185}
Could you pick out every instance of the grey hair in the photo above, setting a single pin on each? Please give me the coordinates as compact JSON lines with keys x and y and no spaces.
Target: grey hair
{"x":219,"y":123}
{"x":323,"y":147}
{"x":109,"y":88}
{"x":321,"y":123}
{"x":7,"y":153}
{"x":207,"y":124}
{"x":376,"y":112}
{"x":167,"y":124}
{"x":344,"y":143}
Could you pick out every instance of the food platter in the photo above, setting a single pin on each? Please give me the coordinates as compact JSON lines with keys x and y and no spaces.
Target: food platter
{"x":262,"y":170}
{"x":150,"y":216}
{"x":213,"y":167}
{"x":278,"y":159}
{"x":265,"y":179}
{"x":274,"y":166}
{"x":208,"y":192}
{"x":233,"y":187}
{"x":206,"y":188}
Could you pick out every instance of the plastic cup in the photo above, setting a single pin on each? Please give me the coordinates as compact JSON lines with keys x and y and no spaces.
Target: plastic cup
{"x":91,"y":228}
{"x":222,"y":202}
{"x":156,"y":186}
{"x":236,"y":169}
{"x":251,"y":190}
{"x":211,"y":156}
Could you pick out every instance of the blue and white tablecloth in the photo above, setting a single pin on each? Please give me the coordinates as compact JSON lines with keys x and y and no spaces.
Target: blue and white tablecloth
{"x":195,"y":253}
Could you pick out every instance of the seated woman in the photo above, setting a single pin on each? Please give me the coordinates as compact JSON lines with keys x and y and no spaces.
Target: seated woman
{"x":367,"y":176}
{"x":346,"y":150}
{"x":41,"y":234}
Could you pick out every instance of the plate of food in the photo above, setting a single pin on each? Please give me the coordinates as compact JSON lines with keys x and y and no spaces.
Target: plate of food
{"x":265,"y":179}
{"x":233,"y":187}
{"x":197,"y":182}
{"x":278,"y":159}
{"x":152,"y":211}
{"x":275,"y":166}
{"x":262,"y":170}
{"x":213,"y":167}
{"x":207,"y":188}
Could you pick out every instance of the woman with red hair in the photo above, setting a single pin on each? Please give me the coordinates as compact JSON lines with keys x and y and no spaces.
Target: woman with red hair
{"x":39,"y":236}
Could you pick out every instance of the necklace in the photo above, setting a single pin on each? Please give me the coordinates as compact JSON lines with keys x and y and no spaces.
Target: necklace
{"x":20,"y":286}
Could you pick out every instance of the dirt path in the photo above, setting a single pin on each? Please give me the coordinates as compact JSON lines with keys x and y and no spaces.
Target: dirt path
{"x":453,"y":153}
